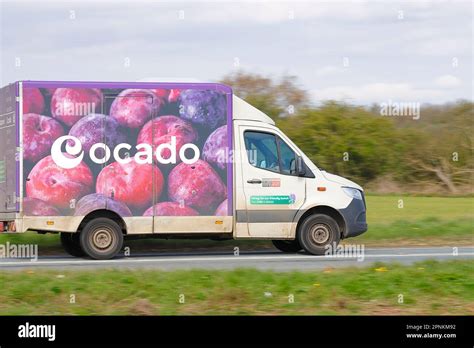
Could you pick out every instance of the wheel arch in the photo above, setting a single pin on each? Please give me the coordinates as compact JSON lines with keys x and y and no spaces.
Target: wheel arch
{"x":103,"y":213}
{"x":322,"y":209}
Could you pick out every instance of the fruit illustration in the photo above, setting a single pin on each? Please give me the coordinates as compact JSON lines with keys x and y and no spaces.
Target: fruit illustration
{"x":203,"y":107}
{"x":174,"y":95}
{"x":161,"y":129}
{"x":196,"y":185}
{"x":134,"y":107}
{"x":39,"y":133}
{"x":96,"y":201}
{"x":215,"y":150}
{"x":69,"y":105}
{"x":131,"y":183}
{"x":33,"y":101}
{"x":37,"y":207}
{"x":222,"y":209}
{"x":58,"y":186}
{"x":98,"y":128}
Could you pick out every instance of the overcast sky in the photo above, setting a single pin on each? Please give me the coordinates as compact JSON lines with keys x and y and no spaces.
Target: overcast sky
{"x":362,"y":52}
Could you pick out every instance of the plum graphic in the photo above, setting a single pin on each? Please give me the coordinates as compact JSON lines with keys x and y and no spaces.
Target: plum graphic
{"x":131,"y":183}
{"x":162,"y":94}
{"x":170,"y":209}
{"x":161,"y":129}
{"x":133,"y":107}
{"x":215,"y":150}
{"x":58,"y":186}
{"x":96,"y":201}
{"x":37,"y":207}
{"x":196,"y":185}
{"x":33,"y":101}
{"x":203,"y":107}
{"x":69,"y":105}
{"x":174,"y":95}
{"x":98,"y":128}
{"x":222,"y":209}
{"x":39,"y":133}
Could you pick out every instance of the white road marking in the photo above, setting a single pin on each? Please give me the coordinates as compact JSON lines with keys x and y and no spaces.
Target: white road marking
{"x":222,"y":258}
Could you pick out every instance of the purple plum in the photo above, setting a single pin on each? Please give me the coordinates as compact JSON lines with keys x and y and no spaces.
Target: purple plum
{"x":203,"y":107}
{"x":215,"y":150}
{"x":222,"y":209}
{"x":69,"y":105}
{"x":95,"y":128}
{"x":196,"y":185}
{"x":37,"y":207}
{"x":134,"y":107}
{"x":39,"y":133}
{"x":97,"y":201}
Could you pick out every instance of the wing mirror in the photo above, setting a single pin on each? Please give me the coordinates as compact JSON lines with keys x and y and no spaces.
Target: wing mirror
{"x":300,"y":167}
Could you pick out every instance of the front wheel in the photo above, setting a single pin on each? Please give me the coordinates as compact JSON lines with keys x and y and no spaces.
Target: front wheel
{"x":71,"y":244}
{"x":101,"y":238}
{"x":287,"y":246}
{"x":317,"y":233}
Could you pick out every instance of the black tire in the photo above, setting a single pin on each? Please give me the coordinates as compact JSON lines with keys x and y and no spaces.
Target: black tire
{"x":101,"y":238}
{"x":71,"y":244}
{"x":287,"y":246}
{"x":317,"y":232}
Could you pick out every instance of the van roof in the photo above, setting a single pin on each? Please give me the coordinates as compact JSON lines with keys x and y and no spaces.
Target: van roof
{"x":101,"y":84}
{"x":241,"y":109}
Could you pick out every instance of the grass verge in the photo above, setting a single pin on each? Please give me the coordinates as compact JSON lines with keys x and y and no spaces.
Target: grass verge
{"x":427,"y":288}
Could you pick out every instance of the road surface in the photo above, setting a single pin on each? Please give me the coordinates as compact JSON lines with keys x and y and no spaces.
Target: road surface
{"x":264,"y":260}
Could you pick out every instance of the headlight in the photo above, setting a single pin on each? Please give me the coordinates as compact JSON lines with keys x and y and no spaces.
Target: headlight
{"x":352,"y":192}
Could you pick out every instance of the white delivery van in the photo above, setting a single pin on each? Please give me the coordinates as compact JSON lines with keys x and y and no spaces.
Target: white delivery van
{"x":98,"y":162}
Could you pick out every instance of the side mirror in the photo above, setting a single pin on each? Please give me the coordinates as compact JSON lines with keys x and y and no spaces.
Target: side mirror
{"x":300,"y":167}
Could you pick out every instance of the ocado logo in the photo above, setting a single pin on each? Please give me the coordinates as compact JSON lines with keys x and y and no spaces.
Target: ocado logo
{"x":74,"y":153}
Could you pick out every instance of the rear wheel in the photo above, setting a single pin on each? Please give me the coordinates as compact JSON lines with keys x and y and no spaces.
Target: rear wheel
{"x":101,"y":238}
{"x":317,"y":232}
{"x":71,"y":244}
{"x":287,"y":246}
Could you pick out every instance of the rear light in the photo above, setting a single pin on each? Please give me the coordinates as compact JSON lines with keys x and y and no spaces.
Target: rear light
{"x":7,"y":226}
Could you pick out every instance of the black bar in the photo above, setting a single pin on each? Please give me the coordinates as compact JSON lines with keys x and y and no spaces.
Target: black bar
{"x":265,"y":330}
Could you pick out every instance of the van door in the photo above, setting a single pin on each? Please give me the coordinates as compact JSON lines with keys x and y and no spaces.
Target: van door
{"x":136,"y":222}
{"x":273,"y":191}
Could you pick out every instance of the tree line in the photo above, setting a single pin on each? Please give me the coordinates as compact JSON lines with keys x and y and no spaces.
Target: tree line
{"x":363,"y":143}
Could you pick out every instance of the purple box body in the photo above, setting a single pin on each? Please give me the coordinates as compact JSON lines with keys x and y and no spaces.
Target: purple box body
{"x":138,"y":149}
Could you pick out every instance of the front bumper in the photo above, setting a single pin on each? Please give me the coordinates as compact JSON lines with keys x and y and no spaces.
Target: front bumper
{"x":354,"y":218}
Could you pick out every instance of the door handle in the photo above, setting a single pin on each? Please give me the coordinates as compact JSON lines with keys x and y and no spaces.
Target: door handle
{"x":254,"y":181}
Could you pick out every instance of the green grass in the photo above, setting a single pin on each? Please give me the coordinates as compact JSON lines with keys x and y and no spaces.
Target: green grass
{"x":385,"y":209}
{"x":427,"y":288}
{"x":421,"y":221}
{"x":427,"y":231}
{"x":418,"y":221}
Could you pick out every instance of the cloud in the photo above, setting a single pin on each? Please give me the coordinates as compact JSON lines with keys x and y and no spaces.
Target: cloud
{"x":328,"y":70}
{"x":308,"y":39}
{"x":447,"y":81}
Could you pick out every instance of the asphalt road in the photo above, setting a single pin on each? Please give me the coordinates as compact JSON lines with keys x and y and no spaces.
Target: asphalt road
{"x":265,"y":259}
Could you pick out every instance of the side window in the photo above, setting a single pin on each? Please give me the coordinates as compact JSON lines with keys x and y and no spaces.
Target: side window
{"x":287,"y":158}
{"x":262,"y":150}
